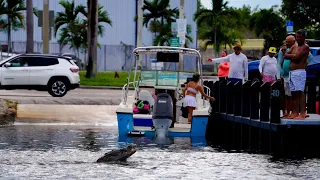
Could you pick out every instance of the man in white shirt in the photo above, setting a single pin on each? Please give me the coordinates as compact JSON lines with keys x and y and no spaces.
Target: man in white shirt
{"x":238,"y":64}
{"x":268,"y":66}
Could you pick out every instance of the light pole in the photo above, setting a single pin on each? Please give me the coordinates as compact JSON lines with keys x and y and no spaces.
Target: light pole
{"x":45,"y":27}
{"x":139,"y":29}
{"x":181,"y":16}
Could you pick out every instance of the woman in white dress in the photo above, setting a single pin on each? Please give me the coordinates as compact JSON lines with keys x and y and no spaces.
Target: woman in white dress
{"x":190,"y":91}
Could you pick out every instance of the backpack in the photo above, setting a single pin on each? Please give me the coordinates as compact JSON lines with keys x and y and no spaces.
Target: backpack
{"x":184,"y":111}
{"x":142,"y":107}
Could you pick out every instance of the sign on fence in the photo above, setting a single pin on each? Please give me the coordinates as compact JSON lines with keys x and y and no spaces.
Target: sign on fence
{"x":289,"y":26}
{"x":275,"y":93}
{"x":174,"y":28}
{"x":174,"y":42}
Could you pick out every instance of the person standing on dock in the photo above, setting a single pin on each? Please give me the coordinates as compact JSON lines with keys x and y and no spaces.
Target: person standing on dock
{"x":238,"y":64}
{"x":223,"y":68}
{"x":283,"y":70}
{"x":298,"y":56}
{"x":268,"y":66}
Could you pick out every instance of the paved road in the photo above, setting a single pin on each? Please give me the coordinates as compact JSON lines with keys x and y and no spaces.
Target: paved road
{"x":74,"y":97}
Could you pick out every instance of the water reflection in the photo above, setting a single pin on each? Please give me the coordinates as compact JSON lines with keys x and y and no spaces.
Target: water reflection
{"x":35,"y":152}
{"x":181,"y":142}
{"x":90,"y":140}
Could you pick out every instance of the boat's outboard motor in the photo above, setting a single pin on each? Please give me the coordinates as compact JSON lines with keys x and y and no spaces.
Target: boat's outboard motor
{"x":162,"y":114}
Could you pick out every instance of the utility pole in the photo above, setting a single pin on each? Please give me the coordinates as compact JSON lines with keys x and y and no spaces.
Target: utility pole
{"x":181,"y":16}
{"x":140,"y":27}
{"x":45,"y":27}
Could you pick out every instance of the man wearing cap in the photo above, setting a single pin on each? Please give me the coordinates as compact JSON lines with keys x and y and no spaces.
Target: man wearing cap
{"x":268,"y":66}
{"x":299,"y":59}
{"x":238,"y":64}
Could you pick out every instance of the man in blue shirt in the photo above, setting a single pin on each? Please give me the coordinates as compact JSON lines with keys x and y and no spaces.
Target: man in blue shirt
{"x":283,"y":70}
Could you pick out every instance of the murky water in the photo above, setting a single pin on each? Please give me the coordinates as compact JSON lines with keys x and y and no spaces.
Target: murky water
{"x":70,"y":152}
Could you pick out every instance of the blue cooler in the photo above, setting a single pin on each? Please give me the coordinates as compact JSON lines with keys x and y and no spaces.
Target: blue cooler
{"x":142,"y":120}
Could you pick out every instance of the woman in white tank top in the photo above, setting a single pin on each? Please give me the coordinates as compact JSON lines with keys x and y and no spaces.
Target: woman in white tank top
{"x":189,"y":92}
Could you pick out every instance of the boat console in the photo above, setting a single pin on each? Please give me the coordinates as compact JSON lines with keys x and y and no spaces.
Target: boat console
{"x":162,"y":89}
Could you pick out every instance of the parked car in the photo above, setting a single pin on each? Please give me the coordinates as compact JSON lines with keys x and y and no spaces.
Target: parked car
{"x":52,"y":73}
{"x":75,"y":59}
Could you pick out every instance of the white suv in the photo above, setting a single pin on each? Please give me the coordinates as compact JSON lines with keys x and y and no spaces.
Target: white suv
{"x":52,"y":73}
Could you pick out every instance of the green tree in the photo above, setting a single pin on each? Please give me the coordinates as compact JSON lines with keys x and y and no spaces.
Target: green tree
{"x":69,"y":15}
{"x":73,"y":29}
{"x":2,"y":12}
{"x":157,"y":14}
{"x":245,"y":13}
{"x":103,"y":17}
{"x":218,"y":25}
{"x":304,"y":14}
{"x":268,"y":25}
{"x":15,"y":18}
{"x":73,"y":34}
{"x":199,"y":5}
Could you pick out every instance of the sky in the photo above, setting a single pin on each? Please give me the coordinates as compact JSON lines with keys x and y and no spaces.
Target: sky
{"x":252,"y":3}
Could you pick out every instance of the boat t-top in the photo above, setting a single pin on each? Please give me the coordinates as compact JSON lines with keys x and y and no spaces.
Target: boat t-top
{"x":153,"y":108}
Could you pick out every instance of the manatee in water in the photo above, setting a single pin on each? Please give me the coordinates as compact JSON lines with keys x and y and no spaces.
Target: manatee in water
{"x":118,"y":155}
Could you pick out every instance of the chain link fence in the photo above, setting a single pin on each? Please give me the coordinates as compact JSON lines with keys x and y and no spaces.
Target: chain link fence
{"x":109,"y":57}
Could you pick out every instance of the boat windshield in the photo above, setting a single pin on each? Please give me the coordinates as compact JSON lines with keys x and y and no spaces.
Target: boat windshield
{"x":163,"y":69}
{"x":163,"y":78}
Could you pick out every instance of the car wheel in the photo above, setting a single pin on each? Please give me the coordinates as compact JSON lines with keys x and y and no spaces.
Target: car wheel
{"x":58,"y":88}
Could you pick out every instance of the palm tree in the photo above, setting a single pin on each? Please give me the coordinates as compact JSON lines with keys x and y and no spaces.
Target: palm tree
{"x":92,"y":47}
{"x":70,"y":17}
{"x":215,"y":23}
{"x":15,"y":18}
{"x":158,"y":13}
{"x":269,"y":25}
{"x":103,"y":17}
{"x":2,"y":12}
{"x":70,"y":14}
{"x":226,"y":36}
{"x":30,"y":43}
{"x":73,"y":34}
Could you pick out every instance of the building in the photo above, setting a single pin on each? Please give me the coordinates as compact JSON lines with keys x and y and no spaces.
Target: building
{"x":118,"y":40}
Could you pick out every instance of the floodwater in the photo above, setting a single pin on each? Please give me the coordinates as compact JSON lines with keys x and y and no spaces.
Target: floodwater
{"x":62,"y":151}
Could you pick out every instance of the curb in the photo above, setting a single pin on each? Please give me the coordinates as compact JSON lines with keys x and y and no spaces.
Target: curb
{"x":103,"y":87}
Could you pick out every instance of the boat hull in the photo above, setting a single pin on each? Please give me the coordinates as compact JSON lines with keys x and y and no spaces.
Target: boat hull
{"x":196,"y":129}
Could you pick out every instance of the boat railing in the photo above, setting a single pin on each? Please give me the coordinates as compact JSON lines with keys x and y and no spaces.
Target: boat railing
{"x":125,"y":86}
{"x":208,"y":90}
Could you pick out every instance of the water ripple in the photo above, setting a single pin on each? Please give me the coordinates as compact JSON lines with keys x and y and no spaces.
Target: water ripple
{"x":70,"y":152}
